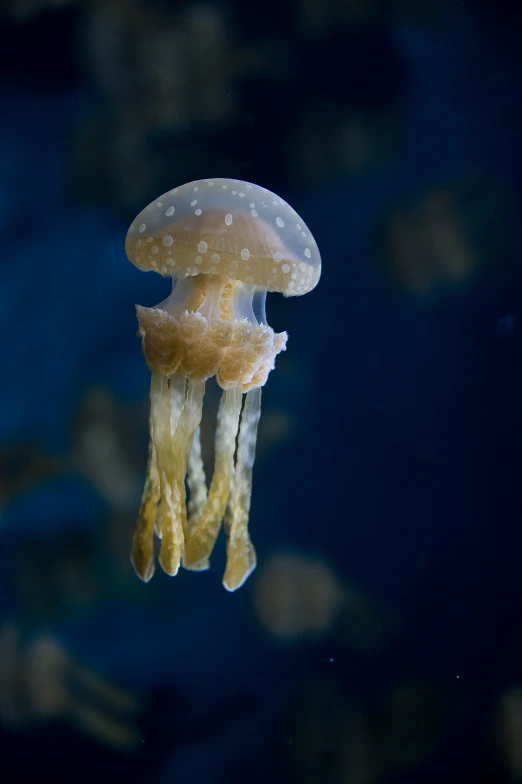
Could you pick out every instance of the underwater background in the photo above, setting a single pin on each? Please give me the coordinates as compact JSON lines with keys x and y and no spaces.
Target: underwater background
{"x":379,"y":638}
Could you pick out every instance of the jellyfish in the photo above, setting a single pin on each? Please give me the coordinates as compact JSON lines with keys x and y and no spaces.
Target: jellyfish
{"x":225,"y":244}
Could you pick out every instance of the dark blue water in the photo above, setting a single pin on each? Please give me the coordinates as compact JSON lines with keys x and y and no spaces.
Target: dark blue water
{"x":404,"y":459}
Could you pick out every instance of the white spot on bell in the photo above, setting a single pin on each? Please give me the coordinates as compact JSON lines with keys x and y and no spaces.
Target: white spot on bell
{"x":193,"y":202}
{"x":198,"y":260}
{"x":167,"y":240}
{"x":280,"y":222}
{"x":245,"y":254}
{"x":228,"y":219}
{"x":308,"y":253}
{"x":277,"y":257}
{"x":169,"y":212}
{"x":197,"y":212}
{"x":154,"y":249}
{"x":254,"y":213}
{"x":142,"y":228}
{"x":285,"y":268}
{"x":202,"y":246}
{"x":215,"y":257}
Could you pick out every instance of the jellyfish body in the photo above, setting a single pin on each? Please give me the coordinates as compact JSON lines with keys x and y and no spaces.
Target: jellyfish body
{"x":225,"y":243}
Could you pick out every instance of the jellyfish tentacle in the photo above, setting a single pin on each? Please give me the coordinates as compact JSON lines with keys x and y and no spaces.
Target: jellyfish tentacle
{"x":174,"y":526}
{"x":177,"y":388}
{"x":171,"y":533}
{"x":142,"y":550}
{"x":183,"y":440}
{"x":176,"y":385}
{"x":241,"y":556}
{"x":227,"y":519}
{"x":196,"y":481}
{"x":204,"y":534}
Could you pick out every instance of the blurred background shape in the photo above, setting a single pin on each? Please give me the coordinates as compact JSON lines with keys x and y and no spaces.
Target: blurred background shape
{"x":41,"y":682}
{"x":508,"y":731}
{"x":298,"y":596}
{"x":335,"y":739}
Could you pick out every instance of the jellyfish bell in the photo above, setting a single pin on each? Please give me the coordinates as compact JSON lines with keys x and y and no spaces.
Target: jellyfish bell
{"x":225,"y":243}
{"x":229,"y":228}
